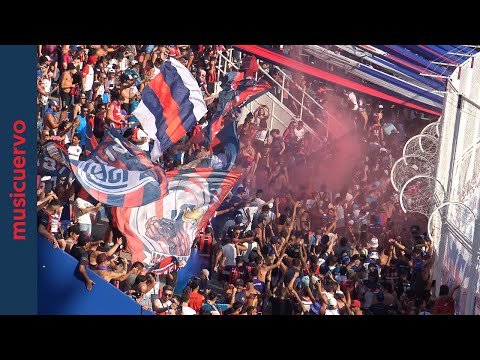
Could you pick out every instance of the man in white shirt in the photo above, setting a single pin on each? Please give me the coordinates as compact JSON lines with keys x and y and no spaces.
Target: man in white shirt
{"x":257,"y":201}
{"x":88,"y":77}
{"x":187,"y":310}
{"x":74,"y":149}
{"x":353,"y":100}
{"x":82,"y":212}
{"x":140,"y":138}
{"x":299,"y":131}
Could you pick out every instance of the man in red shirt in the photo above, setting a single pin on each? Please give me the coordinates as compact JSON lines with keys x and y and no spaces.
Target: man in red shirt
{"x":114,"y":113}
{"x":196,"y":299}
{"x":445,"y":303}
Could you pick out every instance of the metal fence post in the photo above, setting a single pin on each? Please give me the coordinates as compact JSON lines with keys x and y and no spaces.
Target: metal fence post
{"x":472,"y":283}
{"x":271,"y":117}
{"x":301,"y":106}
{"x":445,"y":232}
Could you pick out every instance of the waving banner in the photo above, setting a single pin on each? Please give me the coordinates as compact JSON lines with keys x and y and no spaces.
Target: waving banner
{"x":119,"y":173}
{"x":171,"y":105}
{"x":167,"y":227}
{"x":236,"y":93}
{"x":53,"y":160}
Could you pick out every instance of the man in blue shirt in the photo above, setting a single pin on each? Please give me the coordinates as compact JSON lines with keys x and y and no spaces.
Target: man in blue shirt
{"x":80,"y":125}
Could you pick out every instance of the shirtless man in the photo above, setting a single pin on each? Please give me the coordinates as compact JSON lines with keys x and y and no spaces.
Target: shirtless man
{"x":66,"y":84}
{"x":94,"y":254}
{"x":128,"y":91}
{"x":264,"y":269}
{"x":104,"y":269}
{"x":281,"y":223}
{"x":252,"y":295}
{"x":50,"y":121}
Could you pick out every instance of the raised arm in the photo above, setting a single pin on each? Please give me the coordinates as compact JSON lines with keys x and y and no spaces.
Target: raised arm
{"x":400,"y":246}
{"x":115,"y":247}
{"x":278,"y":263}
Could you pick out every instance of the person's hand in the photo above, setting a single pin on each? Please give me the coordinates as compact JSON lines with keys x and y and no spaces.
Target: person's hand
{"x":55,"y":244}
{"x":119,"y":241}
{"x":89,"y":284}
{"x":391,"y":241}
{"x":98,"y":205}
{"x":145,"y":307}
{"x":298,"y":204}
{"x":296,"y":274}
{"x":215,"y":268}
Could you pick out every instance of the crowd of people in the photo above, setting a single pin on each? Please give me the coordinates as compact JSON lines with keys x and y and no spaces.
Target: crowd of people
{"x":291,"y":239}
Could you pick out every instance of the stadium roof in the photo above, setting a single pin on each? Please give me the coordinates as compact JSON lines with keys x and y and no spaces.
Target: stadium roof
{"x":411,"y":75}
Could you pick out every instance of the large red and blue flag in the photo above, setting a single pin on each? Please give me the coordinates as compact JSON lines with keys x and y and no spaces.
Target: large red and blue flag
{"x":171,"y":105}
{"x":167,"y":227}
{"x":119,"y":173}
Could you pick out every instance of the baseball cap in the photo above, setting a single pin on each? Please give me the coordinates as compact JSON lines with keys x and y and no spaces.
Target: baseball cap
{"x":239,"y":282}
{"x":345,"y":260}
{"x":380,"y":296}
{"x":373,"y":243}
{"x":332,"y":301}
{"x":71,"y":66}
{"x":274,"y":239}
{"x":92,"y":59}
{"x":84,"y":238}
{"x":374,"y":255}
{"x":206,"y":273}
{"x":355,"y":303}
{"x":134,"y":62}
{"x":101,"y":258}
{"x":83,"y":96}
{"x":306,"y":280}
{"x":48,"y":58}
{"x":52,"y":102}
{"x":110,"y":70}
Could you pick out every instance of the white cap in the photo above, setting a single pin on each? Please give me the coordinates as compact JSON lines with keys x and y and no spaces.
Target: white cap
{"x":380,"y":106}
{"x":48,"y":58}
{"x":206,"y":273}
{"x":134,"y":62}
{"x":332,"y":301}
{"x":374,"y":255}
{"x":373,"y":243}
